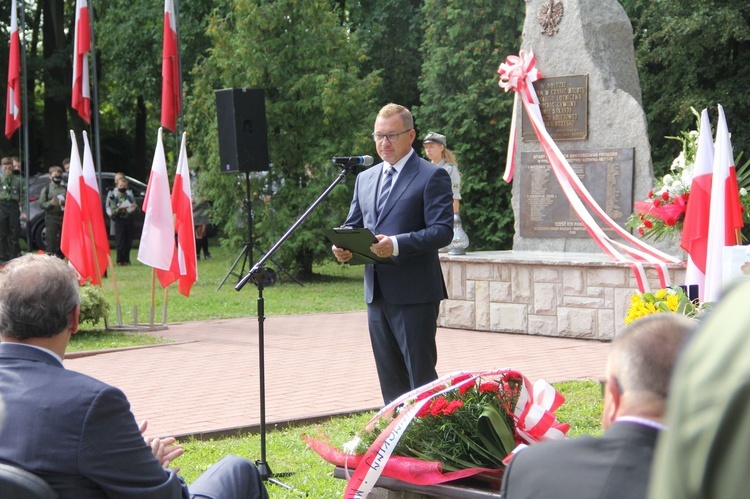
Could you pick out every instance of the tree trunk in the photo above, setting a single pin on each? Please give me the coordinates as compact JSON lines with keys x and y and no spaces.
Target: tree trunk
{"x":141,"y":163}
{"x":55,"y":145}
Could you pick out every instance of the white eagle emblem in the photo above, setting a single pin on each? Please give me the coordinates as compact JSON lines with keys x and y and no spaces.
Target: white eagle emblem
{"x":550,"y":15}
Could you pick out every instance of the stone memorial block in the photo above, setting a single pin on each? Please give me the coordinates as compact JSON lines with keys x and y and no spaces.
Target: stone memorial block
{"x":591,"y":39}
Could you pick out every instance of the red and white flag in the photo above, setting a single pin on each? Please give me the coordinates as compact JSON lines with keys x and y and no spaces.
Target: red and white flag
{"x":184,"y":263}
{"x":170,"y":71}
{"x":94,"y":210}
{"x":725,"y":212}
{"x":81,"y":100}
{"x":13,"y":102}
{"x":77,"y":241}
{"x":157,"y":244}
{"x":695,"y":227}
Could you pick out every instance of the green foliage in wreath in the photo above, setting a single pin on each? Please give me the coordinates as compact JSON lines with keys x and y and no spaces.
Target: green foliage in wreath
{"x":94,"y":305}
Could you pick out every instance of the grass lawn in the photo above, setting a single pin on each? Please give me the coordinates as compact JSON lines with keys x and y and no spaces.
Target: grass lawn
{"x":89,"y":340}
{"x":336,"y":288}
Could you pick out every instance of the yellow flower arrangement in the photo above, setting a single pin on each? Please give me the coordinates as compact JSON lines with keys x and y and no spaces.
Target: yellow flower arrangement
{"x":673,"y":299}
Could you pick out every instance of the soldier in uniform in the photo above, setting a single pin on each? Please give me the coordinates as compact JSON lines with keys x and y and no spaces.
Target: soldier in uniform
{"x":121,"y":207}
{"x":52,"y":201}
{"x":11,"y":194}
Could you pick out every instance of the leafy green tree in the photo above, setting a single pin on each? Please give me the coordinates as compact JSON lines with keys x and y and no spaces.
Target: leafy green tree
{"x":129,"y":41}
{"x":46,"y":66}
{"x":316,"y":106}
{"x":465,"y":42}
{"x":390,"y":33}
{"x":691,"y":53}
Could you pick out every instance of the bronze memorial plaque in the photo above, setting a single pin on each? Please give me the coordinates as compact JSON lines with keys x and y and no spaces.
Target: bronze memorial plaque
{"x":545,"y":211}
{"x":564,"y":102}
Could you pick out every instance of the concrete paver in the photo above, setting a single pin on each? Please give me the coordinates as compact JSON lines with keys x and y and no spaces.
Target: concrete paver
{"x":207,"y":382}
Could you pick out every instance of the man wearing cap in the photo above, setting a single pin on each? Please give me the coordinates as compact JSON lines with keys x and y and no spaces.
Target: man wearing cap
{"x":406,"y":202}
{"x":436,"y":148}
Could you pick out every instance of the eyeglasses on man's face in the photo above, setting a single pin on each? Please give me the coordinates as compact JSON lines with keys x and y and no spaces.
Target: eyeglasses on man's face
{"x":390,"y":137}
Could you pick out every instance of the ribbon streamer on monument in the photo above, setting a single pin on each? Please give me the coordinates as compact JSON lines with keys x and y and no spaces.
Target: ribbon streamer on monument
{"x":518,"y":73}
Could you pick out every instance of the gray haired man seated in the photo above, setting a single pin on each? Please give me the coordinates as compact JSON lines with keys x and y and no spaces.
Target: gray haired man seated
{"x":74,"y":431}
{"x":618,"y":464}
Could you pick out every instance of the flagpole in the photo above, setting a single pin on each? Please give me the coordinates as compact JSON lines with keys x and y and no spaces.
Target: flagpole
{"x":25,"y":122}
{"x":95,"y":97}
{"x":164,"y":307}
{"x":179,"y":63}
{"x":153,"y":296}
{"x":117,"y":292}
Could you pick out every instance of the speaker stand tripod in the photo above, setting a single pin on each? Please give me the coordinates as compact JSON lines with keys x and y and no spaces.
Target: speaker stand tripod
{"x":258,"y":275}
{"x":246,"y":254}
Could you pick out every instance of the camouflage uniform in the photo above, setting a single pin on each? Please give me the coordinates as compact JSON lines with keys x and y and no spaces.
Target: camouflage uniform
{"x":53,"y":215}
{"x":123,"y":222}
{"x":11,"y":194}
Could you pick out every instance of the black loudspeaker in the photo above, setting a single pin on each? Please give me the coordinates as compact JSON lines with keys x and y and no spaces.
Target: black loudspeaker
{"x":243,"y":140}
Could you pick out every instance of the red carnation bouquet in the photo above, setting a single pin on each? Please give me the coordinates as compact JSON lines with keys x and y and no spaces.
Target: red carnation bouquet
{"x":462,"y":425}
{"x":661,"y":213}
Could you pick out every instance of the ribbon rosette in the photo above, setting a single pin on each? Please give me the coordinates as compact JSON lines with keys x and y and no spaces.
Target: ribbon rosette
{"x":532,"y":417}
{"x":518,"y":71}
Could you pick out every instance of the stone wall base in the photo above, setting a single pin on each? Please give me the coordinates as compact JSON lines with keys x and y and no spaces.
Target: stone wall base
{"x":573,"y":295}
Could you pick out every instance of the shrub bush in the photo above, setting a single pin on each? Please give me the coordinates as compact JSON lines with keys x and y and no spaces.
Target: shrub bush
{"x":94,"y":304}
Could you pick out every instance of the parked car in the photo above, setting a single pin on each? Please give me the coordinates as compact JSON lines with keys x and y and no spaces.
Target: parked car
{"x":36,"y":224}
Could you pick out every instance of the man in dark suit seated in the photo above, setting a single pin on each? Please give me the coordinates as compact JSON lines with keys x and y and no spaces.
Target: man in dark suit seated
{"x":618,"y":464}
{"x":74,"y":431}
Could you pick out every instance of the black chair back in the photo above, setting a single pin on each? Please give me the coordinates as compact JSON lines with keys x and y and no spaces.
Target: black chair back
{"x":18,"y":483}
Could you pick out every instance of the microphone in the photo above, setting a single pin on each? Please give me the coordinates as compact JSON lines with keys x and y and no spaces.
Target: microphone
{"x":353,"y":160}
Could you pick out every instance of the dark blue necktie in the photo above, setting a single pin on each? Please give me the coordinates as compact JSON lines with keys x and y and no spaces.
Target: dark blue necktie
{"x":385,"y":189}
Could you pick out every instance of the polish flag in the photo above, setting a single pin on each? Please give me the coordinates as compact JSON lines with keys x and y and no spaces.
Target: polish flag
{"x":170,"y":71}
{"x":184,"y":263}
{"x":695,"y":227}
{"x":725,"y":212}
{"x":157,"y":244}
{"x":94,"y":210}
{"x":76,"y":241}
{"x":13,"y":103}
{"x":81,"y":101}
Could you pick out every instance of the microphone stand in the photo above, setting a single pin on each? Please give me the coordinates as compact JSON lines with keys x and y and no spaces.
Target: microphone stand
{"x":258,"y":275}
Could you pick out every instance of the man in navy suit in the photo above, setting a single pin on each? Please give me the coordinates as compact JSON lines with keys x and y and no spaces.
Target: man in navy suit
{"x":617,"y":465}
{"x":72,"y":430}
{"x":407,"y":203}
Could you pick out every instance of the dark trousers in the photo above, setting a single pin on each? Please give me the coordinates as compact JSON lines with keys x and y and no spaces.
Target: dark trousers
{"x":52,"y":232}
{"x":124,"y":233}
{"x":231,"y":477}
{"x":10,"y":229}
{"x":403,"y":342}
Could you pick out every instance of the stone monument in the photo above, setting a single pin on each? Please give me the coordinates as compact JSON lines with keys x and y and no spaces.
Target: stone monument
{"x":590,"y":98}
{"x":557,"y":281}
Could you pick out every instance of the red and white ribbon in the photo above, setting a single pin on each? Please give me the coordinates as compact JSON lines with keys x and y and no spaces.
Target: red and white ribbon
{"x":534,"y":412}
{"x":519,"y":73}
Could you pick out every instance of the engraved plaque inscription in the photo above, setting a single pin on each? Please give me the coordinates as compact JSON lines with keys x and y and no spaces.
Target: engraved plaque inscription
{"x":564,"y":102}
{"x":545,"y":211}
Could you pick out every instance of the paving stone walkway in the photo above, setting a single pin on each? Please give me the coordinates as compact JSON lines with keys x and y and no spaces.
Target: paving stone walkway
{"x":207,"y":382}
